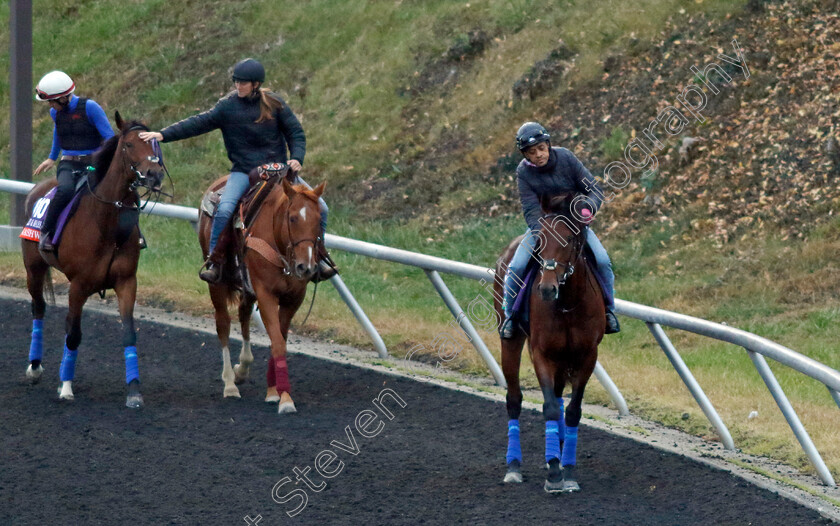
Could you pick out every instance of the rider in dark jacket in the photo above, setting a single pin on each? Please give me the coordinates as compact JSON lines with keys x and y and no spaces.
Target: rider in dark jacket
{"x":257,"y":127}
{"x":551,"y":171}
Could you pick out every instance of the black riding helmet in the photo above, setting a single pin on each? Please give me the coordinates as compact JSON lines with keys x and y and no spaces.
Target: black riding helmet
{"x":249,"y":70}
{"x":529,"y":134}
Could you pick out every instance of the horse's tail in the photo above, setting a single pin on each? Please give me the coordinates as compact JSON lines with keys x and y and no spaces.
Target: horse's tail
{"x":48,"y":286}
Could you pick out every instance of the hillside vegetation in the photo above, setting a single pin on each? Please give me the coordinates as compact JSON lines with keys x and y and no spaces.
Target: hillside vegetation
{"x":410,"y":110}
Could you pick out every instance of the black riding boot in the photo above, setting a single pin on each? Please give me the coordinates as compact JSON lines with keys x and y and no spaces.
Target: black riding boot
{"x":612,"y":322}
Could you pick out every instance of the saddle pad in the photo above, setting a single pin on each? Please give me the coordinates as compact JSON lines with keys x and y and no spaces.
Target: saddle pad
{"x":32,"y":230}
{"x":210,"y":203}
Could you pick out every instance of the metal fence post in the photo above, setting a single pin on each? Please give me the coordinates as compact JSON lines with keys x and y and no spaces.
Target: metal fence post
{"x":467,"y":326}
{"x":693,"y":386}
{"x":790,"y":415}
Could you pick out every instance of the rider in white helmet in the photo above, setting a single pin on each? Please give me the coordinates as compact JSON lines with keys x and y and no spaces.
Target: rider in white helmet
{"x":81,"y":127}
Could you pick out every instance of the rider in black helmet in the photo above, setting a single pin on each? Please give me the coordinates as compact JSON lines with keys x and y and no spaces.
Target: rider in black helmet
{"x":548,"y":170}
{"x":257,"y":126}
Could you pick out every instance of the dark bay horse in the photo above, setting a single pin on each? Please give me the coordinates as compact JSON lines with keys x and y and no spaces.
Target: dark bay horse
{"x":95,"y":254}
{"x":566,"y":324}
{"x":280,"y":258}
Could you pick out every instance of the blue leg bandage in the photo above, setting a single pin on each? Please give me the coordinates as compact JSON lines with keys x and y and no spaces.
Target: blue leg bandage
{"x":561,"y":424}
{"x":68,"y":365}
{"x":552,"y":440}
{"x":570,"y":447}
{"x":36,"y":346}
{"x":514,"y":451}
{"x":132,"y":369}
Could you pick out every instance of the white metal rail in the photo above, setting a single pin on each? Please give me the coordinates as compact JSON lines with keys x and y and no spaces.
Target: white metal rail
{"x":756,"y":346}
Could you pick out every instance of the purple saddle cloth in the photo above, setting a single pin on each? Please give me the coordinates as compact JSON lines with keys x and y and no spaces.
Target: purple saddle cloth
{"x":39,"y":212}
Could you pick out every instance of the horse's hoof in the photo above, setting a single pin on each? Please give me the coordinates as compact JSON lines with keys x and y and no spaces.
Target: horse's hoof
{"x":34,"y":375}
{"x":240,"y":378}
{"x":569,"y":480}
{"x":232,"y":392}
{"x":271,"y":395}
{"x":286,"y":407}
{"x":65,"y":392}
{"x":513,"y":474}
{"x":554,"y":487}
{"x":134,"y":401}
{"x":570,"y":486}
{"x":554,"y":479}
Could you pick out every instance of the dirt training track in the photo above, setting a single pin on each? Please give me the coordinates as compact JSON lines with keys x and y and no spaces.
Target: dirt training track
{"x":190,"y":457}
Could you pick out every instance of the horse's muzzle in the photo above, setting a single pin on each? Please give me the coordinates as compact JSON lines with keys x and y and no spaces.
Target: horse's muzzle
{"x":549,"y":292}
{"x":305,"y":271}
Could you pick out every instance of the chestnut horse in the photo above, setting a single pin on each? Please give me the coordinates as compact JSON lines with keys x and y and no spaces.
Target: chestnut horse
{"x":95,"y":253}
{"x":280,"y":258}
{"x":566,"y":324}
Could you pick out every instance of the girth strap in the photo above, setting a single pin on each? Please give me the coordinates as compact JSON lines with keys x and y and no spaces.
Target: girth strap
{"x":271,"y":254}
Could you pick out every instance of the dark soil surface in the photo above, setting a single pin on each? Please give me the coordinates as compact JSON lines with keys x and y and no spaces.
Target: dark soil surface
{"x":190,"y":457}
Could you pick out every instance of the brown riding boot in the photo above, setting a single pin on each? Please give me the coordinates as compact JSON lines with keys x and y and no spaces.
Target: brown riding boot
{"x":326,"y":266}
{"x":211,"y":271}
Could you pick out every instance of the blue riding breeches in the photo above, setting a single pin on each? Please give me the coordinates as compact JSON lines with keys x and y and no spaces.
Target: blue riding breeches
{"x":516,"y":270}
{"x":235,"y":188}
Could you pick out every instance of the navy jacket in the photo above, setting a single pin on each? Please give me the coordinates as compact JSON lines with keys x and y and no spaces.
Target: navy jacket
{"x":563,"y":173}
{"x":248,"y":144}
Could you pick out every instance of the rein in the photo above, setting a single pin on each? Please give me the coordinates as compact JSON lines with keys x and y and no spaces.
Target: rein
{"x":551,"y":265}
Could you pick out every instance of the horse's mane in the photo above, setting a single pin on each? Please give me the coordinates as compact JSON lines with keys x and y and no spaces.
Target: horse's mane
{"x":105,"y":155}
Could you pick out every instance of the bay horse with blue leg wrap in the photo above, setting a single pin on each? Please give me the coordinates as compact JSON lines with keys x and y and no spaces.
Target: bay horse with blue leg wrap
{"x":99,"y":249}
{"x":280,"y":252}
{"x":565,"y":326}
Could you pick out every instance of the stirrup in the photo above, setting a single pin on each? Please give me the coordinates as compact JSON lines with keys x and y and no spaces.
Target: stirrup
{"x":612,"y":323}
{"x":210,"y":272}
{"x":507,"y":329}
{"x":45,"y":243}
{"x":324,"y":272}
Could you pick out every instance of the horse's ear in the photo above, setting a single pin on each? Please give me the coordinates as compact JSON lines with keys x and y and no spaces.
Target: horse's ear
{"x":287,"y":188}
{"x":320,"y":189}
{"x":118,"y":119}
{"x":545,"y":203}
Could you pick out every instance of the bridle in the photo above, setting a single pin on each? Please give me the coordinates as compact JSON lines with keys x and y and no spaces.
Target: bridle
{"x":140,"y":180}
{"x":290,"y":247}
{"x":551,"y":265}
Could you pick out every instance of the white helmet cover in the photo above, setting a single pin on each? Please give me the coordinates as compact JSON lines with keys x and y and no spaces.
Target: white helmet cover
{"x":54,"y":85}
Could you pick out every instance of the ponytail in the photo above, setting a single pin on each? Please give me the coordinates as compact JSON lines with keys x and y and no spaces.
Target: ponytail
{"x":268,"y":105}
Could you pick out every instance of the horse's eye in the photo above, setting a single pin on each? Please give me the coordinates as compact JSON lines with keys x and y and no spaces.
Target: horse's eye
{"x":129,"y":145}
{"x":293,"y":219}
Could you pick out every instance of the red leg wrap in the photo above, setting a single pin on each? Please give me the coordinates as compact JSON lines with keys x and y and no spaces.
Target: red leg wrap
{"x":282,"y":375}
